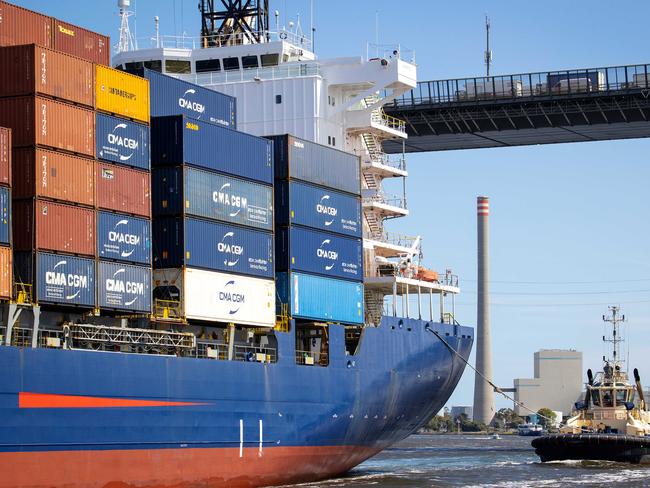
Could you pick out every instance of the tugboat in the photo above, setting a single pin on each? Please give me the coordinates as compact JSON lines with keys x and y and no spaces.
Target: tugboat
{"x":608,"y":424}
{"x":530,"y":429}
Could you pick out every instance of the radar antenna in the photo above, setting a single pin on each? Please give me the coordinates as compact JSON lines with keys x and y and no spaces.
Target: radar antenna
{"x":488,"y":51}
{"x":126,"y":39}
{"x":240,"y":22}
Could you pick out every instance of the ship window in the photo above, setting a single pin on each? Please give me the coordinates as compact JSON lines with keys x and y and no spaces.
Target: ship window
{"x":608,"y":400}
{"x":278,"y":99}
{"x":230,"y":63}
{"x":333,"y":141}
{"x":620,"y":397}
{"x":270,"y":59}
{"x":154,"y":65}
{"x":249,"y":62}
{"x":176,"y":66}
{"x":208,"y":65}
{"x":134,"y":68}
{"x":595,"y":398}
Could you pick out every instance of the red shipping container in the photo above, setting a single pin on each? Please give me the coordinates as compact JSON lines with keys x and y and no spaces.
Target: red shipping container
{"x":34,"y":70}
{"x":22,"y":26}
{"x":123,"y":189}
{"x":72,"y":39}
{"x":5,"y":156}
{"x":44,"y":122}
{"x":49,"y":174}
{"x":6,"y":273}
{"x":43,"y":225}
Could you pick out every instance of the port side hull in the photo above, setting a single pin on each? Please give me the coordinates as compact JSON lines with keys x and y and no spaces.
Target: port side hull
{"x":96,"y":419}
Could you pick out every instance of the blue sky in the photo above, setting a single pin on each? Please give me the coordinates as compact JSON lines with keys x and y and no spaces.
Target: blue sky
{"x":569,"y":224}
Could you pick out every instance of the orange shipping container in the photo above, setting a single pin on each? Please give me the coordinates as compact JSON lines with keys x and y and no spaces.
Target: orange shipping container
{"x":34,"y":70}
{"x":5,"y":156}
{"x":89,"y":45}
{"x":22,"y":26}
{"x":123,"y":189}
{"x":59,"y":176}
{"x":43,"y":225}
{"x":44,"y":122}
{"x":6,"y":265}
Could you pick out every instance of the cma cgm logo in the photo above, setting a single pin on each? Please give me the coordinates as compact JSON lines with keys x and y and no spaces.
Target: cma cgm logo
{"x":323,"y":208}
{"x":185,"y":103}
{"x":228,"y":199}
{"x":115,"y":139}
{"x":232,"y":250}
{"x":118,"y":237}
{"x":324,"y":253}
{"x":231,"y":297}
{"x":58,"y":277}
{"x":117,"y":284}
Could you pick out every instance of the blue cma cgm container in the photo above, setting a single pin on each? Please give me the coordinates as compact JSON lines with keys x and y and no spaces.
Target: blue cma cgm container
{"x":181,"y":140}
{"x":58,"y":279}
{"x":5,"y":216}
{"x":319,"y":298}
{"x":212,"y":245}
{"x":122,"y":141}
{"x":171,"y":96}
{"x":124,"y":287}
{"x":311,"y":251}
{"x":123,"y":238}
{"x":314,"y":163}
{"x":189,"y":191}
{"x":317,"y":207}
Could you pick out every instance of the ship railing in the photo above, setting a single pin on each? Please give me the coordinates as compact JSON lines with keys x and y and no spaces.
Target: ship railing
{"x":285,"y":70}
{"x":224,"y":40}
{"x":22,"y":337}
{"x":386,"y":199}
{"x":167,"y":309}
{"x":311,"y":358}
{"x":380,"y":118}
{"x":393,"y":269}
{"x":604,"y":80}
{"x":397,"y":239}
{"x":389,"y":51}
{"x":255,"y":354}
{"x":23,"y":293}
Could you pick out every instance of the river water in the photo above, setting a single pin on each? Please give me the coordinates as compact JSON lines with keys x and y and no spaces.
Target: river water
{"x":479,"y":461}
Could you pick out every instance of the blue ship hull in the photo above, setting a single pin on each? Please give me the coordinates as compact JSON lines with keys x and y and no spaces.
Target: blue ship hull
{"x":97,"y":419}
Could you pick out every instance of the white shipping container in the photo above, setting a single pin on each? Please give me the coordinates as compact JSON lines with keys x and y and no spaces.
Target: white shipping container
{"x":220,"y":297}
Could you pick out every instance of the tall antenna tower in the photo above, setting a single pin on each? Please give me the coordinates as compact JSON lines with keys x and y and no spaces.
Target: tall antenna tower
{"x":238,"y":22}
{"x":488,"y":52}
{"x":615,"y":339}
{"x":126,"y":39}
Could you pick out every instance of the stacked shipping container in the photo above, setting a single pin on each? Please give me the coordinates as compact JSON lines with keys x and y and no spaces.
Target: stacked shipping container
{"x":66,"y":201}
{"x":6,"y":252}
{"x":212,"y":206}
{"x":318,"y":235}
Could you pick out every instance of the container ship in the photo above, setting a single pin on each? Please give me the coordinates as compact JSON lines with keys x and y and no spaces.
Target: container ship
{"x":197,"y":283}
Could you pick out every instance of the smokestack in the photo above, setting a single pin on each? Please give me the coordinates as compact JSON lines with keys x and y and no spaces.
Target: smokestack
{"x":483,"y":392}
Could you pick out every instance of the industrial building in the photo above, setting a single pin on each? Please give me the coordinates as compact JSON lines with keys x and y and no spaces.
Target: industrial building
{"x":458,"y":410}
{"x":556,"y":384}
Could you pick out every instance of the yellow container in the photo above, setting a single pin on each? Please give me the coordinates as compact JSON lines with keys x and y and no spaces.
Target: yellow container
{"x":120,"y":93}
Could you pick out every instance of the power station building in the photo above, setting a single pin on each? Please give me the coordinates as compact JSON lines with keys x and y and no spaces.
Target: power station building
{"x":558,"y":382}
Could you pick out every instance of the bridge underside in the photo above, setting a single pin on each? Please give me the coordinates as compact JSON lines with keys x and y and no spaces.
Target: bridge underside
{"x":494,"y":123}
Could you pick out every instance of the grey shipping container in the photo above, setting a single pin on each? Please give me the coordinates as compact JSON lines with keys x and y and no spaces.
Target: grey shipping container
{"x":56,"y":278}
{"x":123,"y":238}
{"x":189,"y":191}
{"x":124,"y":287}
{"x":212,"y":245}
{"x":315,"y":163}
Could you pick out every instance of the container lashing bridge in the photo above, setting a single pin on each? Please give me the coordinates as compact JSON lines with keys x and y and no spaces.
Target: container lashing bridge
{"x":524,"y":109}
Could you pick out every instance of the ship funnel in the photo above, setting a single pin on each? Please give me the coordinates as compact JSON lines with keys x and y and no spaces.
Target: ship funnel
{"x":484,"y":409}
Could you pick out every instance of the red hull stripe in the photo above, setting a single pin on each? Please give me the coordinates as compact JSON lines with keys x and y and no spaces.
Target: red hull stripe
{"x":43,"y":400}
{"x":178,"y":468}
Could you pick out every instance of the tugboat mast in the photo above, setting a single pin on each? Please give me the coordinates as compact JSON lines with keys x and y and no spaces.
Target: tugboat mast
{"x":615,"y":319}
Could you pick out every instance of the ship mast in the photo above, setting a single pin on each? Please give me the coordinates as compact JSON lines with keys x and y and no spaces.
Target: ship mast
{"x":615,"y":318}
{"x":238,"y":22}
